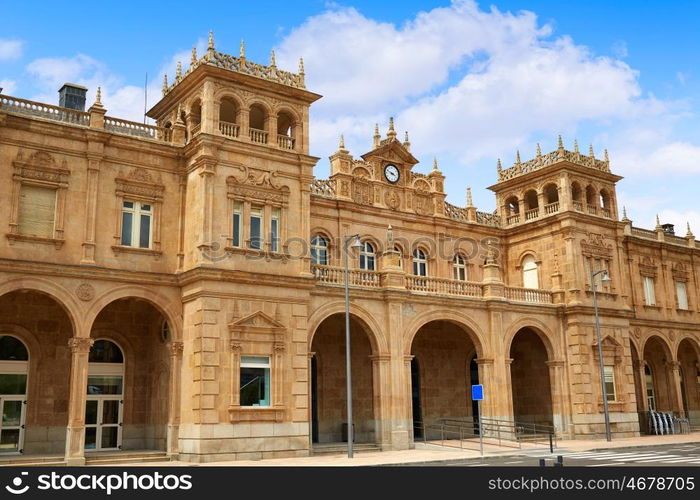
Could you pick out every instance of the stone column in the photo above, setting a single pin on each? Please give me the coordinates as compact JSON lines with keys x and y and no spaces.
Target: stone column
{"x":558,"y":390}
{"x":75,"y":432}
{"x":676,"y":396}
{"x":93,"y":173}
{"x":565,"y":199}
{"x":208,"y":117}
{"x":175,"y":350}
{"x":643,"y":385}
{"x":509,"y":388}
{"x":406,"y":410}
{"x":487,"y":377}
{"x":382,"y":399}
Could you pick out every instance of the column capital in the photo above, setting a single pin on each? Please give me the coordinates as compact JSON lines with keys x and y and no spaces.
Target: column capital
{"x":379,"y":358}
{"x":235,"y":346}
{"x":555,"y":363}
{"x":80,"y":344}
{"x":508,"y":361}
{"x":484,"y":361}
{"x":176,"y":348}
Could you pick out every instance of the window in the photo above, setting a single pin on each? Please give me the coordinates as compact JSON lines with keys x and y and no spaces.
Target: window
{"x":237,"y":216}
{"x":256,"y":225}
{"x":319,"y":250}
{"x":14,"y":366}
{"x":136,"y":224}
{"x":255,"y":381}
{"x":530,"y":279}
{"x":649,"y":295}
{"x":397,"y":249}
{"x":651,"y":398}
{"x":609,"y":372}
{"x":681,"y":295}
{"x":37,"y":209}
{"x":367,"y":257}
{"x":275,"y":230}
{"x":420,"y":263}
{"x":460,"y":268}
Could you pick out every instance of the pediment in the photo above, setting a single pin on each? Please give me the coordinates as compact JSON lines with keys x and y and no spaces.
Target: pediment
{"x":393,"y":151}
{"x":257,"y":320}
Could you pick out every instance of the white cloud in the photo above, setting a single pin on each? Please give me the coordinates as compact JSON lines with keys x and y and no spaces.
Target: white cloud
{"x":8,"y":86}
{"x":10,"y":49}
{"x":465,"y":82}
{"x":680,"y":220}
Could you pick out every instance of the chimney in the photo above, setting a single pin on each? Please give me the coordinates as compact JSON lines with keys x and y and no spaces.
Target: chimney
{"x":72,"y":96}
{"x":668,"y":229}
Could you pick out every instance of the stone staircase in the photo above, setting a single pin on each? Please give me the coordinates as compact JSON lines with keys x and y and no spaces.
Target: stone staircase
{"x":91,"y":458}
{"x":321,"y":449}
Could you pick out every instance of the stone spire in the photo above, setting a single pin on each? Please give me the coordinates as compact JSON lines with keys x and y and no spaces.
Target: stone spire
{"x":517,"y":157}
{"x":301,"y":65}
{"x":391,"y":134}
{"x":341,"y":145}
{"x":658,"y":224}
{"x":193,"y":59}
{"x":689,"y":234}
{"x":499,"y":167}
{"x":165,"y":84}
{"x":605,"y":156}
{"x":376,"y":138}
{"x":98,"y":97}
{"x":435,"y":165}
{"x":470,"y":202}
{"x":590,"y":151}
{"x":241,"y":50}
{"x":539,"y":151}
{"x":273,"y":63}
{"x":624,"y":215}
{"x":178,"y":72}
{"x":406,"y":142}
{"x":576,"y":146}
{"x":210,"y":44}
{"x":560,"y":143}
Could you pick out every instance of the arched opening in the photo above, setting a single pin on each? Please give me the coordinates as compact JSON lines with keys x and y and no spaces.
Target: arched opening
{"x":329,"y":382}
{"x":529,"y":374}
{"x":605,"y":203}
{"x":660,"y":396}
{"x":33,"y":323}
{"x":14,"y":369}
{"x":441,"y":376}
{"x":577,"y":196}
{"x":512,"y":210}
{"x":228,"y":117}
{"x":591,"y":201}
{"x":532,"y":209}
{"x":551,"y":196}
{"x":690,"y":380}
{"x":130,"y":354}
{"x":195,"y":122}
{"x":530,"y":272}
{"x":285,"y":130}
{"x":638,"y":392}
{"x":105,"y":397}
{"x":257,"y":121}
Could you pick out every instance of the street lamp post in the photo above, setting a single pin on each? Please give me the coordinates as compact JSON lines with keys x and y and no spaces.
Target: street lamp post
{"x":605,"y":277}
{"x":356,"y":243}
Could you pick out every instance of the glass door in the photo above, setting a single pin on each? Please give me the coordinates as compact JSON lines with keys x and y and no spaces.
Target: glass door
{"x":103,"y":415}
{"x":12,"y":423}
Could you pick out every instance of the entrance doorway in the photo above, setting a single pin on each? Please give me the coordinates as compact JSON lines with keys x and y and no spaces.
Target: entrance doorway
{"x":104,"y":405}
{"x":14,"y":363}
{"x":415,"y":399}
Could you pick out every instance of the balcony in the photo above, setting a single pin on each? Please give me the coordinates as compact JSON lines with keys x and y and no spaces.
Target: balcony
{"x":285,"y":142}
{"x":578,"y":206}
{"x":443,"y":286}
{"x":530,"y":295}
{"x":551,"y":208}
{"x":336,"y":276}
{"x":228,"y":129}
{"x":532,"y":214}
{"x":259,"y":136}
{"x":513,"y":219}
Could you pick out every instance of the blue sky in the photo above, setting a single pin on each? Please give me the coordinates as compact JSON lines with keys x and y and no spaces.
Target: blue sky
{"x":471,"y":82}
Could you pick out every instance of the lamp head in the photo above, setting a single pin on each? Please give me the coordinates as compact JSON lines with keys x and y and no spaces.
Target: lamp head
{"x":606,"y":277}
{"x":356,"y":242}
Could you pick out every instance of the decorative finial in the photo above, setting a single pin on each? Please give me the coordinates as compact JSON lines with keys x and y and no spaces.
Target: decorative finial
{"x":689,"y":234}
{"x":301,"y":65}
{"x":390,"y":238}
{"x":499,"y":168}
{"x":391,"y":134}
{"x":539,"y":150}
{"x":517,"y":157}
{"x":406,"y":142}
{"x":341,"y":146}
{"x":376,"y":138}
{"x":576,"y":146}
{"x":165,"y":84}
{"x":272,"y":59}
{"x":470,"y":202}
{"x":624,"y":215}
{"x":241,"y":50}
{"x":658,"y":224}
{"x":98,"y":97}
{"x":435,"y":165}
{"x":590,"y":151}
{"x":210,"y":45}
{"x":560,"y":143}
{"x":605,"y":156}
{"x":178,"y":72}
{"x":193,"y":60}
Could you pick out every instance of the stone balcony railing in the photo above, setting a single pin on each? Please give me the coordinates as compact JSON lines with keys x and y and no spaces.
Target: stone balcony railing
{"x":259,"y":136}
{"x":228,"y":129}
{"x":429,"y":285}
{"x":650,"y":235}
{"x":14,"y":105}
{"x":285,"y":142}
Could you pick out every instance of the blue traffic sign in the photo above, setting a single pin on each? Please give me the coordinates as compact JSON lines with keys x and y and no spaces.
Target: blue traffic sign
{"x":477,"y":392}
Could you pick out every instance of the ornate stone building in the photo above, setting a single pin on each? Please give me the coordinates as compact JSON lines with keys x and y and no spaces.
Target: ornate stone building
{"x":179,"y":286}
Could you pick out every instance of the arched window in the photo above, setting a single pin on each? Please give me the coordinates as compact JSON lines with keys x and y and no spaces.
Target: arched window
{"x":591,"y":201}
{"x":530,"y":279}
{"x":420,"y":263}
{"x":398,"y":250}
{"x":319,"y":250}
{"x":576,"y":196}
{"x":14,"y":366}
{"x":228,"y":118}
{"x":195,"y":117}
{"x":256,"y":121}
{"x":285,"y":131}
{"x":104,"y":351}
{"x":367,"y":257}
{"x":459,"y":265}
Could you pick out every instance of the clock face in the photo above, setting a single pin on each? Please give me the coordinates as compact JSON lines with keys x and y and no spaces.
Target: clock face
{"x":391,"y":172}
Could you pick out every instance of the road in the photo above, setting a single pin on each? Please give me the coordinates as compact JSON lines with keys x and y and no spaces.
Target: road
{"x":665,"y":456}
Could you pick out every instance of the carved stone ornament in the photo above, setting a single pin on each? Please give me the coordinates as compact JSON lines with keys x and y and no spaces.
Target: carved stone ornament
{"x":647,"y":266}
{"x":392,"y":199}
{"x":423,"y":205}
{"x":41,"y":166}
{"x":362,"y":192}
{"x":80,"y":344}
{"x":257,"y":184}
{"x":140,"y":182}
{"x":596,"y":247}
{"x":176,"y":348}
{"x":85,"y":291}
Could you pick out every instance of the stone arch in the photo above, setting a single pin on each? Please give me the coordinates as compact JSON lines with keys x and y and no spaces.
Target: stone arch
{"x":541,"y":329}
{"x":166,"y":306}
{"x":372,"y":328}
{"x":668,"y":348}
{"x":284,"y":108}
{"x":61,"y":295}
{"x":469,"y":326}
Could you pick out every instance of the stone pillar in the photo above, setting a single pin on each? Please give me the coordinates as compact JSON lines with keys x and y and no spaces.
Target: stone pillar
{"x":208,"y":123}
{"x":509,"y":388}
{"x":93,"y":175}
{"x":676,"y":396}
{"x":244,"y":124}
{"x":487,"y":377}
{"x":565,"y":199}
{"x":381,"y":365}
{"x":75,"y":432}
{"x":557,"y":386}
{"x":175,"y":350}
{"x":643,"y":385}
{"x":405,"y":411}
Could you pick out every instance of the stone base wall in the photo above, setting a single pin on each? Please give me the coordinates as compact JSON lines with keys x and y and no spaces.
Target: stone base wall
{"x":593,"y":426}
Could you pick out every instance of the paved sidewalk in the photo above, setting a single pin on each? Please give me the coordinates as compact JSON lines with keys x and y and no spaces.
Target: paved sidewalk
{"x":435,"y":453}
